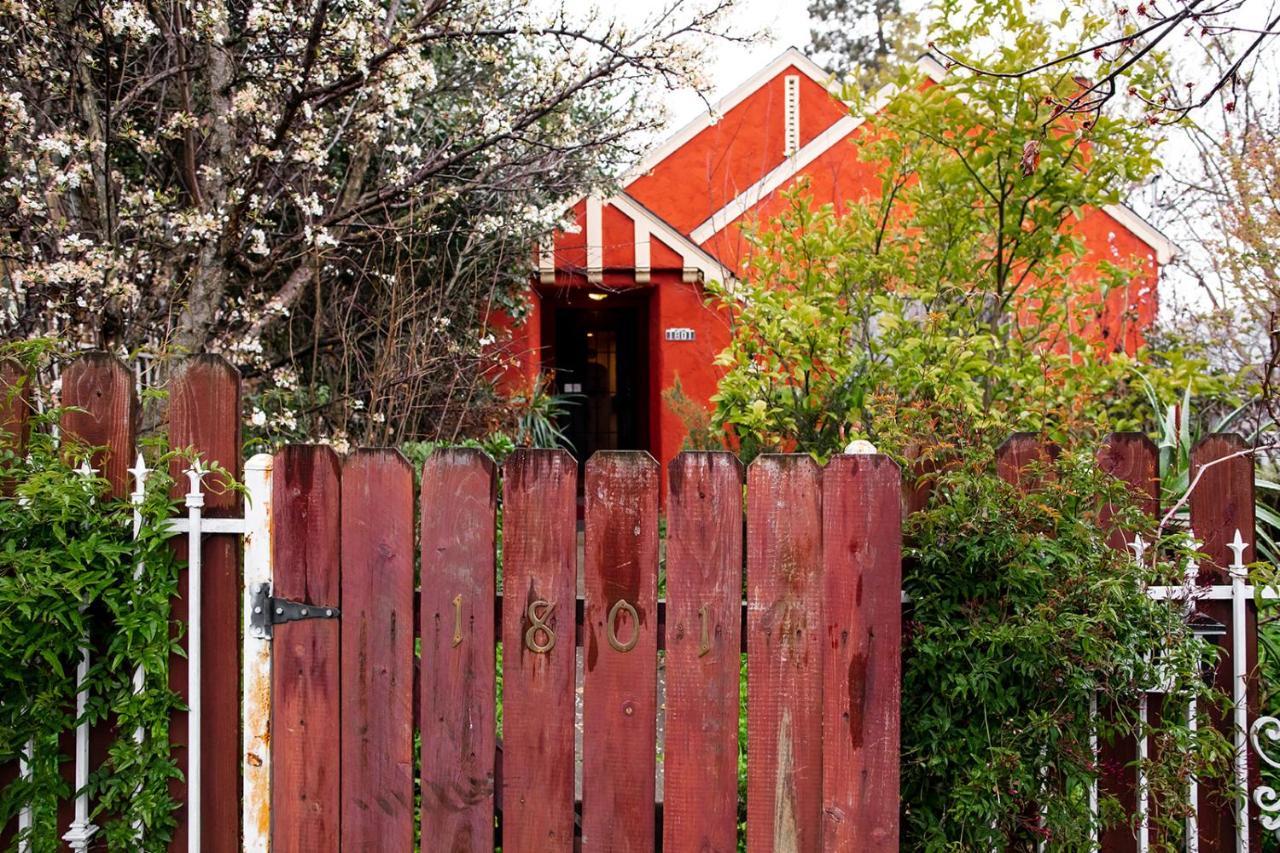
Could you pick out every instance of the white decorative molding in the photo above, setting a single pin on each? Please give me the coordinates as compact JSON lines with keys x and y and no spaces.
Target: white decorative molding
{"x":547,"y":260}
{"x":595,"y":240}
{"x":643,"y":250}
{"x":791,"y":114}
{"x":791,"y":57}
{"x":698,"y":263}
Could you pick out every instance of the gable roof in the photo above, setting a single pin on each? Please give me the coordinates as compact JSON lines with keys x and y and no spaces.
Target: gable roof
{"x":714,"y":112}
{"x":1162,"y":247}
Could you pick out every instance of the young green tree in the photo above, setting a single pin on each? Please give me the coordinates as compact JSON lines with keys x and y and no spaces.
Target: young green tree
{"x":961,"y":282}
{"x":951,"y":306}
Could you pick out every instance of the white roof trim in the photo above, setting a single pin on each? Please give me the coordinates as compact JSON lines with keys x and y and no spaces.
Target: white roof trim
{"x":1164,"y":248}
{"x":784,"y":172}
{"x":788,"y":169}
{"x":790,"y":56}
{"x":693,"y":256}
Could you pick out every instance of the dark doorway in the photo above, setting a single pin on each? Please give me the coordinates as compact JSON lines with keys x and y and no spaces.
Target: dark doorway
{"x":600,"y":359}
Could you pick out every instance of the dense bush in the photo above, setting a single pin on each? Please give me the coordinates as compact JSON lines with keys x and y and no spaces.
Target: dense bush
{"x":1021,"y":616}
{"x":71,"y":566}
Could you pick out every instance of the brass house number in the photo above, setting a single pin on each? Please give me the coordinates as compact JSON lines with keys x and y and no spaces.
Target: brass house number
{"x":540,"y":638}
{"x":611,"y":626}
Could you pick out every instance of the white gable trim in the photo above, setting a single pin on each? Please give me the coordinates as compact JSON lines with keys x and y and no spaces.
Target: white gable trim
{"x":789,"y":168}
{"x":1164,"y":248}
{"x":789,"y":57}
{"x":695,"y":260}
{"x":595,"y":239}
{"x":782,"y":173}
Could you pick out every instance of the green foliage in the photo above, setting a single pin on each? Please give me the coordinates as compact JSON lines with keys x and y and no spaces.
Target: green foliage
{"x":699,"y":432}
{"x":951,"y":306}
{"x":538,"y":413}
{"x":962,"y":281}
{"x":1020,"y":614}
{"x":71,"y":566}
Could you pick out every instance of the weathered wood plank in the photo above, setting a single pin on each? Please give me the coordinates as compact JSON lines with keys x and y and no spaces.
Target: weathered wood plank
{"x":1222,"y":502}
{"x":862,"y":669}
{"x":539,"y":544}
{"x":703,"y":643}
{"x":100,"y":389}
{"x":1132,"y":458}
{"x":15,"y":415}
{"x":204,"y":416}
{"x":377,"y":651}
{"x":621,"y":669}
{"x":1022,"y":458}
{"x":784,"y":659}
{"x":459,"y":495}
{"x":100,"y":412}
{"x":306,"y":702}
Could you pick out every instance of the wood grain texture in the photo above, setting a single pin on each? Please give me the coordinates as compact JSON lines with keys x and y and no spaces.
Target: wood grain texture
{"x":15,"y":409}
{"x":459,"y":496}
{"x":1132,"y":458}
{"x":377,"y":651}
{"x":703,"y":643}
{"x":1022,"y":459}
{"x":204,"y":416}
{"x":1222,"y":502}
{"x":101,"y":413}
{"x":539,"y":563}
{"x":784,"y":654}
{"x":619,"y":711}
{"x":15,"y":413}
{"x":101,"y":390}
{"x":862,"y":667}
{"x":305,"y":678}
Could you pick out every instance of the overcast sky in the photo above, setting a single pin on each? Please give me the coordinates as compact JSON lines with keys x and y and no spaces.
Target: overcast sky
{"x":787,"y":24}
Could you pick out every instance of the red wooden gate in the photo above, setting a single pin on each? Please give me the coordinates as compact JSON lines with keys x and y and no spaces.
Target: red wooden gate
{"x":820,"y":627}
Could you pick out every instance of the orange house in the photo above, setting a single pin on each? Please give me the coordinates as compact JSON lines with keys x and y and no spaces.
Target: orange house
{"x":618,"y":303}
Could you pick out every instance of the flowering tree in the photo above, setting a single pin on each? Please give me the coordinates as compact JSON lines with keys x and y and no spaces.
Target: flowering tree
{"x":333,"y":192}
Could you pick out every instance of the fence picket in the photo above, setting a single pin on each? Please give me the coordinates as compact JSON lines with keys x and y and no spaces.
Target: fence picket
{"x":305,"y":719}
{"x":101,"y":390}
{"x":457,"y":680}
{"x":539,"y":565}
{"x":703,"y":642}
{"x":1132,"y":458}
{"x":204,"y":416}
{"x":620,"y":648}
{"x":15,"y":413}
{"x":1222,"y":502}
{"x":1021,"y":457}
{"x":862,"y":669}
{"x":100,"y":412}
{"x":377,"y":651}
{"x":784,"y":654}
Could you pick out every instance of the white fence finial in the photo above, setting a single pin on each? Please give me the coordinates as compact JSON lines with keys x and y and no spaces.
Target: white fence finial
{"x":1238,"y":546}
{"x":1138,"y":546}
{"x":195,"y":476}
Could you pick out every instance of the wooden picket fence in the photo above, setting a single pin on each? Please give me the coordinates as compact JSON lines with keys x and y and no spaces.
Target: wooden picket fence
{"x":445,"y":605}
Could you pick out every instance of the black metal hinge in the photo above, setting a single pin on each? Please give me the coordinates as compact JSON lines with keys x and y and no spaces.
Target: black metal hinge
{"x":266,"y":611}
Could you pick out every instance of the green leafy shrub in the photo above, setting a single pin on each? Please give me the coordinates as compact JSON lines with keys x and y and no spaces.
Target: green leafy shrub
{"x":1020,"y":617}
{"x":70,"y":567}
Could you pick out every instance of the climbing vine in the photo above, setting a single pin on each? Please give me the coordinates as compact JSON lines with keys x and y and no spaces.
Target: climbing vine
{"x":71,"y":567}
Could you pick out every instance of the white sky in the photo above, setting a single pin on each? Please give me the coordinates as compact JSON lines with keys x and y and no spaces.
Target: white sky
{"x":786,"y":23}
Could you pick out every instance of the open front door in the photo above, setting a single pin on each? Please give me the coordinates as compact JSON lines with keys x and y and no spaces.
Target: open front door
{"x":600,"y":360}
